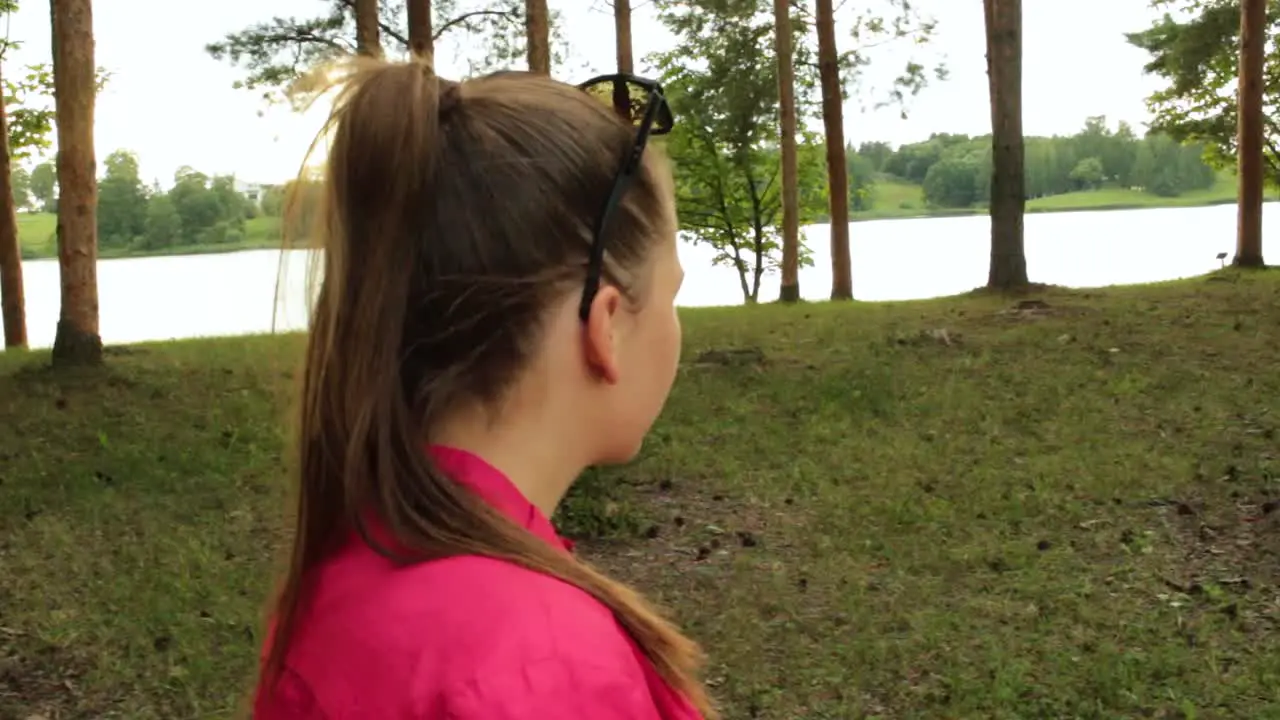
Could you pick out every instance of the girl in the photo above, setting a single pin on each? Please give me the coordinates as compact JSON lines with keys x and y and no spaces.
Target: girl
{"x":497,"y":313}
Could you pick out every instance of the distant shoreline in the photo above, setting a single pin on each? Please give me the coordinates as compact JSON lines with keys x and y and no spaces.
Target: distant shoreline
{"x":268,"y":243}
{"x":939,"y":213}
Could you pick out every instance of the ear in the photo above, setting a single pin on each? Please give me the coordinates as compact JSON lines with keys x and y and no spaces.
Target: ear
{"x":600,"y":334}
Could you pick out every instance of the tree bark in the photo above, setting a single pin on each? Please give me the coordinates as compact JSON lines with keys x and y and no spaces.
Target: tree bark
{"x":790,"y":174}
{"x":11,"y":292}
{"x":421,"y":42}
{"x":622,"y":32}
{"x":77,"y":341}
{"x":626,"y":62}
{"x":1253,"y":40}
{"x":837,"y":171}
{"x":367,"y":41}
{"x":538,"y":36}
{"x":1008,"y":269}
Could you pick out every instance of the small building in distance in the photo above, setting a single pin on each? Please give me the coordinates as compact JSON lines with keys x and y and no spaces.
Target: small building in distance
{"x":252,"y":192}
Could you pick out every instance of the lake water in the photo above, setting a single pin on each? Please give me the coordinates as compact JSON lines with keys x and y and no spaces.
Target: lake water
{"x":202,"y":295}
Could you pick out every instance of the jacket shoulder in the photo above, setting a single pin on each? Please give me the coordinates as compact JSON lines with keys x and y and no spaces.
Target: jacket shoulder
{"x":459,"y":632}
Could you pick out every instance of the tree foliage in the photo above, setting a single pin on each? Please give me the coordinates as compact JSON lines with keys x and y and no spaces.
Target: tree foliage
{"x":196,"y":210}
{"x":721,"y":79}
{"x":955,"y":170}
{"x":1193,"y":48}
{"x":28,"y":100}
{"x":20,"y":183}
{"x":44,"y":187}
{"x":122,"y":201}
{"x":870,"y":29}
{"x":725,"y":144}
{"x":278,"y":54}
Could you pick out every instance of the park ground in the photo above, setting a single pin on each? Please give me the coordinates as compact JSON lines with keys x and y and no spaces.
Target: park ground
{"x":892,"y":200}
{"x":1061,"y":505}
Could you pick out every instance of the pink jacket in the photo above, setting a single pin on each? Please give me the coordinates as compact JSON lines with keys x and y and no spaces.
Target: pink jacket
{"x":467,"y":638}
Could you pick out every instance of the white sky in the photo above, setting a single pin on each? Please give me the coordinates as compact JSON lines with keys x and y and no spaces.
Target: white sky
{"x":173,"y":105}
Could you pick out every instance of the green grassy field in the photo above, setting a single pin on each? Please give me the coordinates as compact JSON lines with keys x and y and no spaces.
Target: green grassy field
{"x":972,"y":507}
{"x":37,"y":237}
{"x":894,"y":199}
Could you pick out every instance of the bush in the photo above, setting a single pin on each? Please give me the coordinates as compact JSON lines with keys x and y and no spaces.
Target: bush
{"x":215,"y":235}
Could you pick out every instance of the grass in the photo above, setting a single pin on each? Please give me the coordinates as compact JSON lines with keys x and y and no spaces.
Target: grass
{"x":37,"y":236}
{"x":939,"y":509}
{"x":1222,"y":192}
{"x":896,"y":199}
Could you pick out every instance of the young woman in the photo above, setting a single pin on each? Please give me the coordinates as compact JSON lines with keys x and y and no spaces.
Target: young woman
{"x":497,"y":313}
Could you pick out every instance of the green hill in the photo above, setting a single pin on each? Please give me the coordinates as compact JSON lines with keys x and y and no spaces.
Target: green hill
{"x":892,"y":198}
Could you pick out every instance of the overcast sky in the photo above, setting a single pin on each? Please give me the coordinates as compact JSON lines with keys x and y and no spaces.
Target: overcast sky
{"x":173,"y":105}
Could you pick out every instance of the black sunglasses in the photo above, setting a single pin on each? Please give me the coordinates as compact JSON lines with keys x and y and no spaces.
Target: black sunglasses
{"x":640,"y":102}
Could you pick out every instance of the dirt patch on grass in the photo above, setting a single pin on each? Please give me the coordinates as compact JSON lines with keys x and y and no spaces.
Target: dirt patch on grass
{"x":693,"y":524}
{"x":730,"y":357}
{"x":1230,"y":538}
{"x":1036,"y":309}
{"x":40,"y":680}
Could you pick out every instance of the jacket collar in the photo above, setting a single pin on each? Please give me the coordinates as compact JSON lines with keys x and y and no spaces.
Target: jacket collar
{"x":495,"y":488}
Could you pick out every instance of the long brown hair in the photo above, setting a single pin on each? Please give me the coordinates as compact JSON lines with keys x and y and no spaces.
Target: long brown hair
{"x":453,"y":214}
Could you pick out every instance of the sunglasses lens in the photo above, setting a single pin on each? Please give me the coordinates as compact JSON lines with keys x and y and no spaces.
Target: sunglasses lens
{"x":630,"y":99}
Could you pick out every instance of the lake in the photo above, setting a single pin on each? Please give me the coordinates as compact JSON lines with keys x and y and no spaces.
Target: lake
{"x":234,"y":293}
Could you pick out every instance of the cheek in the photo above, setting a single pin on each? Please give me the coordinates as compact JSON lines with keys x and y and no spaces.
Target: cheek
{"x":677,"y":335}
{"x":666,"y":340}
{"x":661,"y":351}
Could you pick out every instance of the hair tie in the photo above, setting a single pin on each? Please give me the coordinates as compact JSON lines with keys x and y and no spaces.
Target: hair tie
{"x":450,"y":96}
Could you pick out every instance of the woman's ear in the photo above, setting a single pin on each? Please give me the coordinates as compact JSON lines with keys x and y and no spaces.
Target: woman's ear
{"x":600,"y":334}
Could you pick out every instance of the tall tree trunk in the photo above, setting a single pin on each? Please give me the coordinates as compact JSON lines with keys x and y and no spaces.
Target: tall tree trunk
{"x":1253,"y":41}
{"x":421,"y":41}
{"x":538,"y":34}
{"x":1008,"y":268}
{"x":790,"y":175}
{"x":367,"y":41}
{"x":626,"y":62}
{"x":77,"y":341}
{"x":837,"y":171}
{"x":622,"y":32}
{"x":11,"y":292}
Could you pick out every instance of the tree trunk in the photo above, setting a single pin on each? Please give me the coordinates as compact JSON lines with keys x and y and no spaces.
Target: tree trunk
{"x":626,"y":62}
{"x":11,"y":292}
{"x":367,"y":41}
{"x":622,"y":32}
{"x":1008,"y":268}
{"x":75,"y":88}
{"x":837,"y":171}
{"x":421,"y":41}
{"x":1253,"y":40}
{"x":538,"y":34}
{"x":790,"y":175}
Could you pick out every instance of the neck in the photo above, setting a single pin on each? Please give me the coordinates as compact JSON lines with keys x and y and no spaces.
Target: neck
{"x":530,"y":458}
